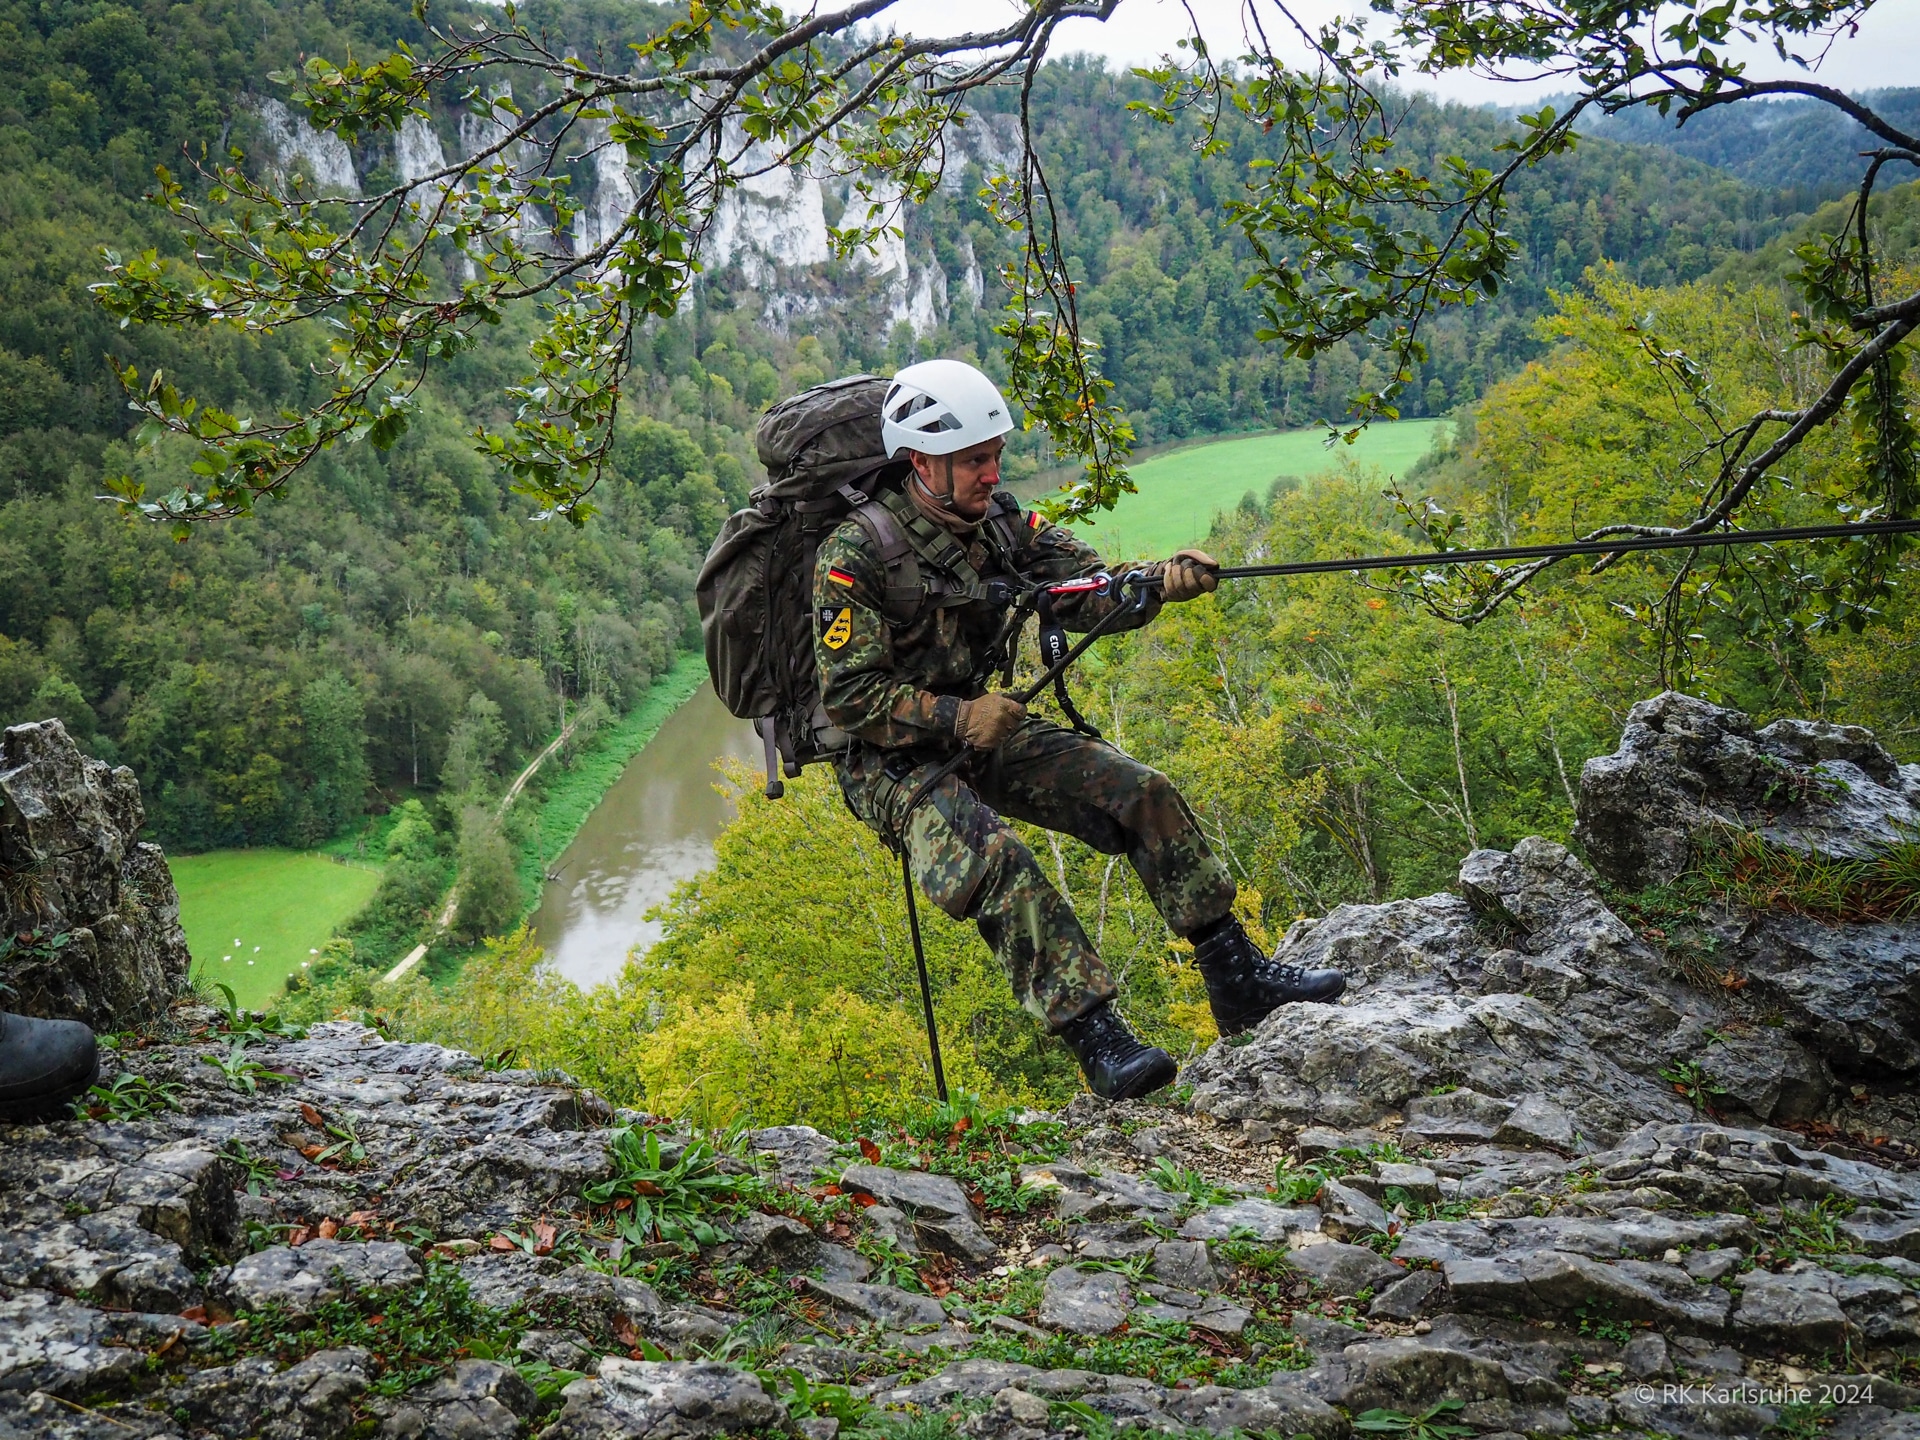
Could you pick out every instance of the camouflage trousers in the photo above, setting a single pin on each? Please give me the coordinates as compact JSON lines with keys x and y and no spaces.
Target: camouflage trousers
{"x":970,"y":863}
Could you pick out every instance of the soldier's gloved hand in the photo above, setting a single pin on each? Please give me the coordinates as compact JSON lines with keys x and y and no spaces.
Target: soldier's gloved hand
{"x":1187,"y":575}
{"x":986,"y":722}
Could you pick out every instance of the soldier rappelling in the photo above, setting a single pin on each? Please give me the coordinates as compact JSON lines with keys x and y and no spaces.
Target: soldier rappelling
{"x":911,"y":599}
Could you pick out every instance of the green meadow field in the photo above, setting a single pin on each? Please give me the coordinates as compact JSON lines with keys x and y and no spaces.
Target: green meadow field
{"x":252,"y":916}
{"x":1180,"y":491}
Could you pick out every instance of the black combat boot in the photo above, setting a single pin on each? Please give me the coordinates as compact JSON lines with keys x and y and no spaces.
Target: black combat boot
{"x":1244,"y":986}
{"x":43,"y":1064}
{"x":1116,"y":1064}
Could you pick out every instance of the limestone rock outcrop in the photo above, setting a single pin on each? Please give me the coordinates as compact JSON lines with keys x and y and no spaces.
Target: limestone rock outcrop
{"x":1531,"y":1170}
{"x":1685,"y":766}
{"x":90,"y":920}
{"x":1526,"y":1012}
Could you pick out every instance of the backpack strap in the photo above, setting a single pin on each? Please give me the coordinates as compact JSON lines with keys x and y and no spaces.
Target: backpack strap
{"x":1008,"y":527}
{"x":955,"y":579}
{"x":906,"y":538}
{"x":905,"y":591}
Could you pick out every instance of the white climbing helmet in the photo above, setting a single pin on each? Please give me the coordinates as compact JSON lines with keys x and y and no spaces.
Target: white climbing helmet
{"x":940,"y":407}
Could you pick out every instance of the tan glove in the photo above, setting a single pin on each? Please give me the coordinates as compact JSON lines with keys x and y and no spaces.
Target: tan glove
{"x":1187,"y":575}
{"x":985,"y":723}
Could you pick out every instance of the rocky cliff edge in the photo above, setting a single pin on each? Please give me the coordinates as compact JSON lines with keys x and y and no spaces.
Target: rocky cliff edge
{"x":1539,"y":1173}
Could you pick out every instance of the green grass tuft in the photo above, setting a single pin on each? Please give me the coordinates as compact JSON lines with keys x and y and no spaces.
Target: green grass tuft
{"x":1739,"y":867}
{"x":411,"y":1335}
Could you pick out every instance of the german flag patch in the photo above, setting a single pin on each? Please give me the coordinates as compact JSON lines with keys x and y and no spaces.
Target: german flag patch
{"x":1035,"y":520}
{"x":838,"y":576}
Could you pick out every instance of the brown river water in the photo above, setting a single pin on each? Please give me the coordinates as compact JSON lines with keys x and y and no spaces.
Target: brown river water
{"x":654,"y":828}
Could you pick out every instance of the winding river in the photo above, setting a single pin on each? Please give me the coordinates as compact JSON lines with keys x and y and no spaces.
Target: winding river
{"x":654,"y":828}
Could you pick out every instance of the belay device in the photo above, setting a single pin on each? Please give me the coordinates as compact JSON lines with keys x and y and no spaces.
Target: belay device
{"x":824,"y":460}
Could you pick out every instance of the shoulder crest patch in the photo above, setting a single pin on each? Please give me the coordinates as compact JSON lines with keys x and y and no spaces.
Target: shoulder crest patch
{"x":836,"y":626}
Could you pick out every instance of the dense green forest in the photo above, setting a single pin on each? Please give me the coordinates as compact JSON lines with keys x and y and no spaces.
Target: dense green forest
{"x":397,"y":625}
{"x":1145,"y":222}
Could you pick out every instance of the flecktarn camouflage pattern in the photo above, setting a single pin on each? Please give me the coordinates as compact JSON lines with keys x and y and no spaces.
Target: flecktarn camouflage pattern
{"x":895,"y":685}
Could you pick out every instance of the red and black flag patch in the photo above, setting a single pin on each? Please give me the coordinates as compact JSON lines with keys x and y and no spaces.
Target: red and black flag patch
{"x":837,"y":576}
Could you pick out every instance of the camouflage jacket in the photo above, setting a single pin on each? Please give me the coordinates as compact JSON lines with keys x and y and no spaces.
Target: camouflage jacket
{"x":895,"y":659}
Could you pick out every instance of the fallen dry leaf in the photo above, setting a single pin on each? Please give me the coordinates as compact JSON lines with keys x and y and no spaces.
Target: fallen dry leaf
{"x":328,"y":1228}
{"x":312,"y":1116}
{"x":501,"y":1242}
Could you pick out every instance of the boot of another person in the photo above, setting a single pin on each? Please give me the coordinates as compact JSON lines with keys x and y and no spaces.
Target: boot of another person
{"x":43,"y":1064}
{"x":1118,"y":1066}
{"x":1244,"y":986}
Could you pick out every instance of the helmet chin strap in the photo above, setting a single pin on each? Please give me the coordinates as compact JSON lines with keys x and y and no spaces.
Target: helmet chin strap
{"x":945,"y":502}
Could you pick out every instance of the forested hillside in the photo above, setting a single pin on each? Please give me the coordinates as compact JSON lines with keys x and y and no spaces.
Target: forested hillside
{"x":398,"y":623}
{"x":1792,"y":144}
{"x":1147,"y":223}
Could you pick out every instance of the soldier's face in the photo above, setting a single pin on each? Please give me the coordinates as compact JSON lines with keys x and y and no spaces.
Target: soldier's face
{"x":975,"y":472}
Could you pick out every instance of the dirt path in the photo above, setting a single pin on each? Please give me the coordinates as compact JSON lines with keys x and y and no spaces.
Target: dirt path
{"x":418,"y":953}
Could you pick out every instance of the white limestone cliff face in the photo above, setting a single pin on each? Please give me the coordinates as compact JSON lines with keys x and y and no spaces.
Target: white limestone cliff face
{"x":926,"y":301}
{"x":614,"y":194}
{"x":417,"y":151}
{"x":971,"y":280}
{"x":915,"y":286}
{"x":773,"y":221}
{"x":772,"y":226}
{"x":295,"y":148}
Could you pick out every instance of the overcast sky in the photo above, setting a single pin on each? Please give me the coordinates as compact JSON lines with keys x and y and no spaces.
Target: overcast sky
{"x":1885,"y":52}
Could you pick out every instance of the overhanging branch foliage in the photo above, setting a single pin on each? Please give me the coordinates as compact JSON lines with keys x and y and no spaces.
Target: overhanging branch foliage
{"x":407,"y":276}
{"x":1359,"y":241}
{"x":1353,"y":238}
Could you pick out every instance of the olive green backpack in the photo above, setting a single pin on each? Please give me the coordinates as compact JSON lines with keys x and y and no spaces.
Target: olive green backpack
{"x":823,"y":458}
